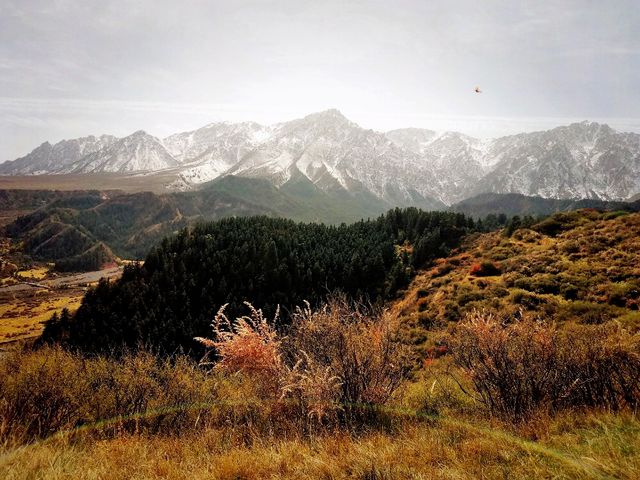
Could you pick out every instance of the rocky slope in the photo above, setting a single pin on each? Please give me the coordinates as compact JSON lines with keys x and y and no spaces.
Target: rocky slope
{"x":56,"y":158}
{"x":137,"y":152}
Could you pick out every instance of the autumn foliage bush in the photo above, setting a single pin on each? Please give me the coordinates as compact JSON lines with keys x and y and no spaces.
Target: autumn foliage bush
{"x":248,"y":345}
{"x":358,"y":346}
{"x":336,"y":363}
{"x":485,"y":269}
{"x":528,"y":366}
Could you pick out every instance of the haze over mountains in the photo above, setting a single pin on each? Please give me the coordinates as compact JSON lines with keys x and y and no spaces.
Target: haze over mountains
{"x":401,"y":167}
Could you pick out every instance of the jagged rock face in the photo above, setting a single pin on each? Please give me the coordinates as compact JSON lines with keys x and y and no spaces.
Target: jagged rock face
{"x":209,"y":152}
{"x":456,"y":160}
{"x":402,"y":167}
{"x":137,"y":152}
{"x":333,"y":152}
{"x":582,"y":160}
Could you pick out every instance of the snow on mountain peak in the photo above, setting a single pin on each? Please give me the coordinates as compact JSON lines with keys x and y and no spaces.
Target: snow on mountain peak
{"x":400,"y":166}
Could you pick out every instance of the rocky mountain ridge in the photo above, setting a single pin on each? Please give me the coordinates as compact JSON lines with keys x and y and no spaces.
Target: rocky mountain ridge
{"x":401,"y":167}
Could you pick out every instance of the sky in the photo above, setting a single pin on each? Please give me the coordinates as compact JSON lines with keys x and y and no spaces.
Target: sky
{"x":74,"y":68}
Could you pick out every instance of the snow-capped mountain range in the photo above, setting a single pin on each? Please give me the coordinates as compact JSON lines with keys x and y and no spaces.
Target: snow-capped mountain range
{"x":402,"y":167}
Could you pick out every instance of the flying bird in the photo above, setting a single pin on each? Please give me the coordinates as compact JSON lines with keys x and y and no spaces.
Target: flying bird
{"x":478,"y":90}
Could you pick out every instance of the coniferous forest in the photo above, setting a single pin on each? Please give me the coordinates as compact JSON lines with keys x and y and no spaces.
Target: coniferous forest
{"x":173,"y":296}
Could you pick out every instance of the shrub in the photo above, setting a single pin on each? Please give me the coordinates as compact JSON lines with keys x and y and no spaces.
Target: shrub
{"x":622,"y":293}
{"x":550,"y":227}
{"x":571,"y":246}
{"x":540,"y":283}
{"x":249,"y":345}
{"x":586,"y":312}
{"x":450,"y":311}
{"x":335,"y":364}
{"x":614,"y":214}
{"x":421,"y":293}
{"x":485,"y":269}
{"x":466,"y":297}
{"x":443,"y":269}
{"x":498,"y":291}
{"x":359,"y":346}
{"x":630,"y":321}
{"x":569,"y":291}
{"x":426,"y":320}
{"x":528,"y":366}
{"x":48,"y":390}
{"x":530,"y":301}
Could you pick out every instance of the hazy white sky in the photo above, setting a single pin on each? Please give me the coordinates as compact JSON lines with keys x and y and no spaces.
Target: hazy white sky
{"x":71,"y":68}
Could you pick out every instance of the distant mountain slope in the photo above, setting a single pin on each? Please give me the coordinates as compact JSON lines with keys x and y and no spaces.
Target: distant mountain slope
{"x":137,"y":152}
{"x":129,"y":224}
{"x":216,"y":147}
{"x":456,"y":160}
{"x":582,"y":160}
{"x":518,"y":204}
{"x":401,"y":167}
{"x":56,"y":158}
{"x":34,"y":199}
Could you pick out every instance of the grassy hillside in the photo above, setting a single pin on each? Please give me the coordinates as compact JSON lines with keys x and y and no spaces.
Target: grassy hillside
{"x":596,"y":446}
{"x":581,"y":267}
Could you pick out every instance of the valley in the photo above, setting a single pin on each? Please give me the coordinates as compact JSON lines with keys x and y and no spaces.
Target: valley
{"x":103,"y":181}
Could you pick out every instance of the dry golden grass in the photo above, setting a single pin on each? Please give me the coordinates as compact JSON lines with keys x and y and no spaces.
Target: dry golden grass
{"x":23,"y":316}
{"x":595,"y":446}
{"x":132,"y":418}
{"x":36,"y":273}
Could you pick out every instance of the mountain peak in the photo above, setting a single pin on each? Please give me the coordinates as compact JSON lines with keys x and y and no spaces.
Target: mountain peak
{"x":585,"y":123}
{"x":587,"y":127}
{"x":331,"y":114}
{"x":139,"y":133}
